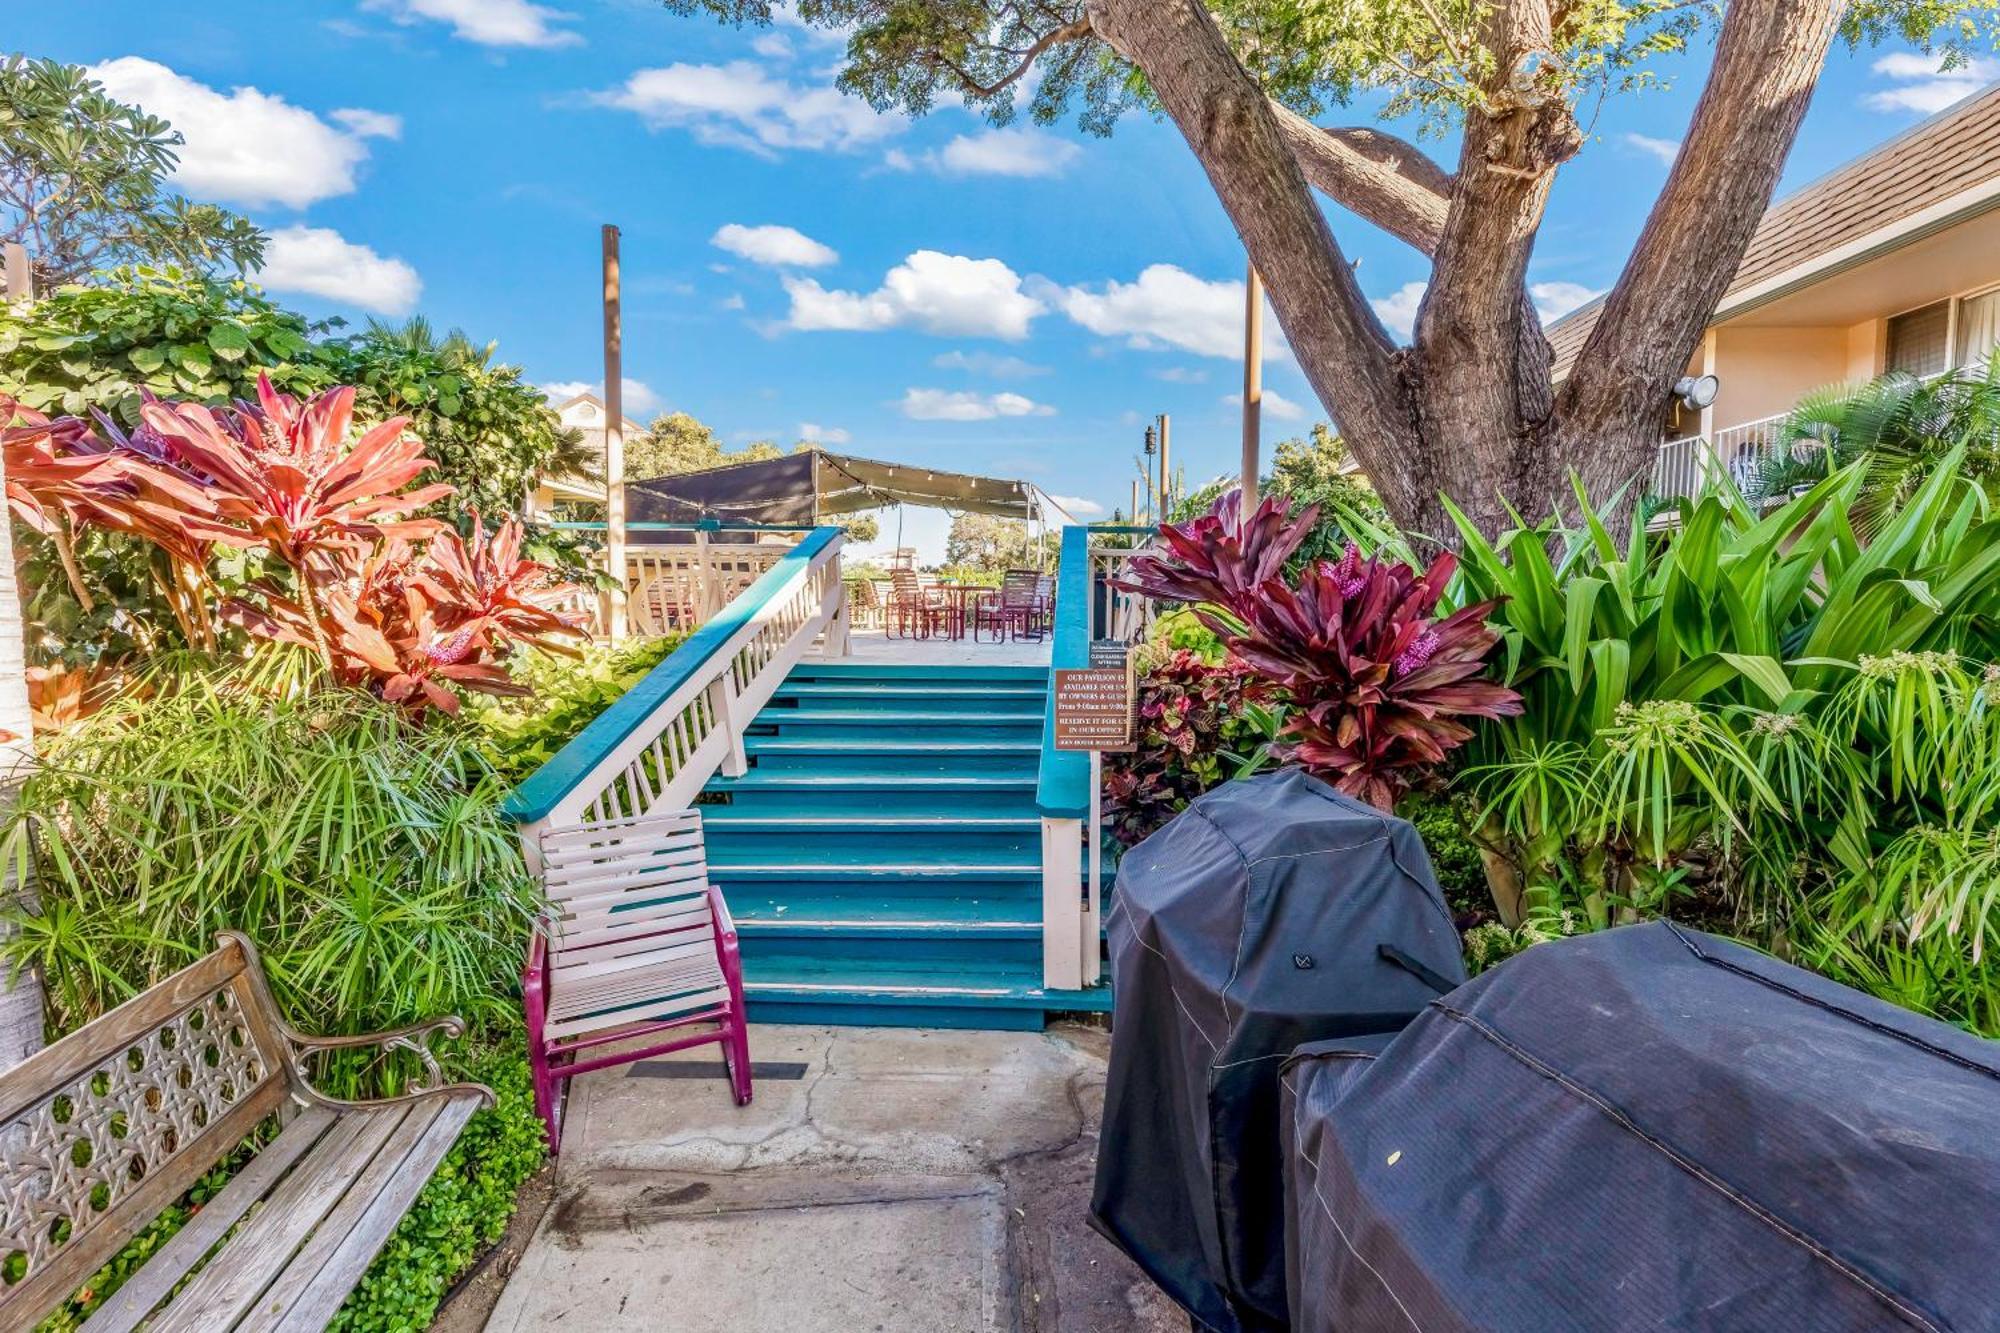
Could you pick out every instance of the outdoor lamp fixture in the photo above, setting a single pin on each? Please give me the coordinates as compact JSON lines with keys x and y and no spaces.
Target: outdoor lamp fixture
{"x":1152,"y":445}
{"x":1694,"y":392}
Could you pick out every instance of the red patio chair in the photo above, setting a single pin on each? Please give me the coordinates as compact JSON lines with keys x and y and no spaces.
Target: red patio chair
{"x":636,"y":943}
{"x":914,"y":611}
{"x":1019,"y":608}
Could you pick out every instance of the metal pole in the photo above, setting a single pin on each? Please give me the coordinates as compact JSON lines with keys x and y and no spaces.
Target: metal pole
{"x":1166,"y":471}
{"x":1253,"y":384}
{"x":614,"y":436}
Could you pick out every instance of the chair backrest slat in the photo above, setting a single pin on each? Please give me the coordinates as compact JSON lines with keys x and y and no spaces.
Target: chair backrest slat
{"x":625,"y":895}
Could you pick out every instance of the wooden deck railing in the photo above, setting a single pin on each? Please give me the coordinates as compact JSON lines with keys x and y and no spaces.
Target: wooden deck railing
{"x":660,"y":743}
{"x":1086,"y":608}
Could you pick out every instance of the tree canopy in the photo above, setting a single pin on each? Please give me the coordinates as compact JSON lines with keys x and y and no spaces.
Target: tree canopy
{"x":83,"y":182}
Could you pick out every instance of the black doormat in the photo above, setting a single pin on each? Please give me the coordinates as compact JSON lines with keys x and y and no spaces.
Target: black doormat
{"x":782,"y":1070}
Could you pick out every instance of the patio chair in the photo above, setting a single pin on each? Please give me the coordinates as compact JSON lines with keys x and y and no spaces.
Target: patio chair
{"x":864,"y":603}
{"x":914,"y":611}
{"x":636,"y":943}
{"x":1017,"y":609}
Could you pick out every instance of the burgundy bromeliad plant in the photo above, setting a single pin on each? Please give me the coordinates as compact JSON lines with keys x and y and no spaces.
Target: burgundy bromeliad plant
{"x":1376,"y":682}
{"x":397,"y":604}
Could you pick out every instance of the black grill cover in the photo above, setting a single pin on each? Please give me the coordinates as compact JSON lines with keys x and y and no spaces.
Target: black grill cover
{"x":1648,"y":1128}
{"x":1254,"y":921}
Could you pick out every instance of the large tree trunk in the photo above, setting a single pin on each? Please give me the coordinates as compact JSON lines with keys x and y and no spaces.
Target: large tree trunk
{"x":1468,"y":411}
{"x":20,"y":1004}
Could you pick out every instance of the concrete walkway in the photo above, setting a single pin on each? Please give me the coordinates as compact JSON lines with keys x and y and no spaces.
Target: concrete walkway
{"x":899,"y":1181}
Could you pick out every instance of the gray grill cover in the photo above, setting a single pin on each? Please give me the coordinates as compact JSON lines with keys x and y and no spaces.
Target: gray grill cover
{"x":1648,"y":1128}
{"x":1254,"y":921}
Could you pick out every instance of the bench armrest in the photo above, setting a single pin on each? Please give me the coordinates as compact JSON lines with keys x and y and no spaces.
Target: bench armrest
{"x":415,"y":1038}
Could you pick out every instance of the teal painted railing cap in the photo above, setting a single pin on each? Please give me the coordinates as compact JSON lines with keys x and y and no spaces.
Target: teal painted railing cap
{"x":545,"y":788}
{"x":1062,"y":787}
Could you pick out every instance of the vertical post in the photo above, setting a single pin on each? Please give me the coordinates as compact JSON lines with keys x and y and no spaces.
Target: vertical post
{"x":20,"y":276}
{"x":1166,"y":470}
{"x":1062,"y":922}
{"x":722,"y":698}
{"x":614,"y":434}
{"x":710,"y":601}
{"x":21,"y":1002}
{"x":1253,"y":384}
{"x":1090,"y":964}
{"x":1132,"y":514}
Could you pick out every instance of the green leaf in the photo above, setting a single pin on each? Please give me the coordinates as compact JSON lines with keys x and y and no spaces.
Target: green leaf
{"x":146,"y":359}
{"x":228,"y":342}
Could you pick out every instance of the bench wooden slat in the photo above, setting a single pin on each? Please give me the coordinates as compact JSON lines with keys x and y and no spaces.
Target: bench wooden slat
{"x":177,"y":1258}
{"x":222,"y":1292}
{"x":320,"y":1278}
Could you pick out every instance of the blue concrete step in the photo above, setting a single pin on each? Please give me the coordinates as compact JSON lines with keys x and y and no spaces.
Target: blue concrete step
{"x":997,"y":697}
{"x":783,"y":988}
{"x":887,"y":757}
{"x":770,"y":791}
{"x":900,"y":727}
{"x":734,"y":834}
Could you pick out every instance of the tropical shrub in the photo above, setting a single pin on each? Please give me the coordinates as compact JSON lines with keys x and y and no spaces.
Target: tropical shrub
{"x":1375,"y":686}
{"x":563,"y":693}
{"x":1198,"y":725}
{"x":369,"y":860}
{"x":337,"y":568}
{"x":1311,"y":471}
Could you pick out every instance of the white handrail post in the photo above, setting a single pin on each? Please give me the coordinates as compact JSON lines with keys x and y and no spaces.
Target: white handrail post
{"x":722,"y":698}
{"x":1063,"y":908}
{"x":835,"y":643}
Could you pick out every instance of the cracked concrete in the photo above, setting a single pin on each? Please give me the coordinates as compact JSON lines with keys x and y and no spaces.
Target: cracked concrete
{"x":911,"y":1180}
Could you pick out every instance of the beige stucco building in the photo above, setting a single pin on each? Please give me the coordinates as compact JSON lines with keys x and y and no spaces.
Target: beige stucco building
{"x":583,"y":412}
{"x":1891,"y":262}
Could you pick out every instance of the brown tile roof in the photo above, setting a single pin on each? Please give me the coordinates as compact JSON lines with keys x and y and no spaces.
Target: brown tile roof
{"x":1952,"y":151}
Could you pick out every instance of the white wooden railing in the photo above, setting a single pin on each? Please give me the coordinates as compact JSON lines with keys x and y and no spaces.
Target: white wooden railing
{"x":1684,"y":466}
{"x":660,"y":742}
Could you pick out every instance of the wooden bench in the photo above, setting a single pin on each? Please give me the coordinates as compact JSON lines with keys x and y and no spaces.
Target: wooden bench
{"x":105,"y":1129}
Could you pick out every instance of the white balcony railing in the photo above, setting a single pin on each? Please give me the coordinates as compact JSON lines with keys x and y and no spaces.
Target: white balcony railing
{"x":1684,"y":466}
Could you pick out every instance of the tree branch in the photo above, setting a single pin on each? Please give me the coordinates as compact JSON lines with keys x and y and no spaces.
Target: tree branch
{"x":1768,"y":59}
{"x":1229,"y":123}
{"x":1069,"y":32}
{"x":1378,"y":176}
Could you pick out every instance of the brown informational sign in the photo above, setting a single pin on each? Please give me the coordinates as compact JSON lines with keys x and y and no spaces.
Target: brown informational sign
{"x":1094,"y":708}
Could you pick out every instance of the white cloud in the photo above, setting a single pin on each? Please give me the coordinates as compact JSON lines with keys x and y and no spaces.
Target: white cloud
{"x":773,"y":245}
{"x":1926,"y":85}
{"x":733,"y":301}
{"x":949,"y":295}
{"x":637,"y":395}
{"x":322,"y":262}
{"x":1077,"y":506}
{"x":772,"y":45}
{"x":1170,"y":306}
{"x":1398,"y":311}
{"x":988,"y":363}
{"x":366,"y":124}
{"x":1553,"y":300}
{"x":739,"y":105}
{"x":1021,"y":151}
{"x":1181,"y":375}
{"x":962,"y":405}
{"x":487,"y":22}
{"x":245,"y":146}
{"x":1275,"y":405}
{"x":817,"y":434}
{"x":1666,"y":150}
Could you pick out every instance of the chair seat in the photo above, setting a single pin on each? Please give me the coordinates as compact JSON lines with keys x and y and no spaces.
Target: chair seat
{"x":650,"y":991}
{"x":315,"y":1207}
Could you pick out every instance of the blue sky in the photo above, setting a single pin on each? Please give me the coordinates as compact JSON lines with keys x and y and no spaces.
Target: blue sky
{"x":926,"y":291}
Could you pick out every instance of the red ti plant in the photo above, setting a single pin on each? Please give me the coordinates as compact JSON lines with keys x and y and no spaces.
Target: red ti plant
{"x":281,"y":475}
{"x":1377,"y":685}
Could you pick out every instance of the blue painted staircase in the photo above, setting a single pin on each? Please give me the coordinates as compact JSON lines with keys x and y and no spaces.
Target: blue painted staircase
{"x":882,"y":856}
